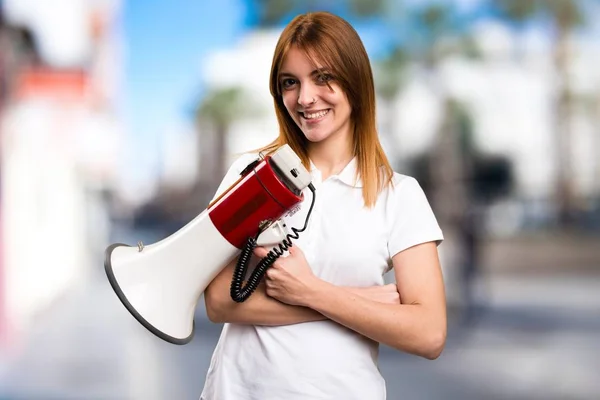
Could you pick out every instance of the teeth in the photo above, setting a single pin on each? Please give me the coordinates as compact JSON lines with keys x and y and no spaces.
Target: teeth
{"x":318,"y":114}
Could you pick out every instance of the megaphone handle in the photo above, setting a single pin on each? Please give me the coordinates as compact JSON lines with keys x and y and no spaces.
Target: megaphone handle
{"x":238,"y":292}
{"x":241,"y":293}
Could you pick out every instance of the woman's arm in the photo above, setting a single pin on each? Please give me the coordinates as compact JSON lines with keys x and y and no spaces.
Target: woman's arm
{"x":258,"y":309}
{"x":261,"y":309}
{"x":417,"y":325}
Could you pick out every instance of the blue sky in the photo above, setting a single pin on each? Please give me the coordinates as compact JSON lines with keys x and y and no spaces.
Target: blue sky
{"x":165,"y":43}
{"x":164,"y":46}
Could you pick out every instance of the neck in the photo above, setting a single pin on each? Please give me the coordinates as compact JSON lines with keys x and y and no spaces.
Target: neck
{"x":331,"y":156}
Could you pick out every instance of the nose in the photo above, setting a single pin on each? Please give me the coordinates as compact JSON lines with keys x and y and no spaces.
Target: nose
{"x":307,"y":95}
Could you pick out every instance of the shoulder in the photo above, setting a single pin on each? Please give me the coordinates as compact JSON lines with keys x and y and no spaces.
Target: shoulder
{"x":401,"y":183}
{"x":393,"y":181}
{"x":398,"y":178}
{"x":410,"y":215}
{"x":241,"y":161}
{"x":406,"y":192}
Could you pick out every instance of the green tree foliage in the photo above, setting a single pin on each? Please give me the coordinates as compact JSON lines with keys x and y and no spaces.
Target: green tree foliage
{"x":275,"y":12}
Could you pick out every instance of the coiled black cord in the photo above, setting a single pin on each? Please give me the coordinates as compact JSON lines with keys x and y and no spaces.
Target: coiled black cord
{"x":240,"y":294}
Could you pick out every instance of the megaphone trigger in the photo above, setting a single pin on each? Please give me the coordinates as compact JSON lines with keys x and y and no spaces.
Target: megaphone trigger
{"x":272,"y":235}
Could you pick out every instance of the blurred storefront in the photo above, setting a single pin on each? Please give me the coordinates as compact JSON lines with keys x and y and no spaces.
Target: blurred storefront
{"x":59,"y":133}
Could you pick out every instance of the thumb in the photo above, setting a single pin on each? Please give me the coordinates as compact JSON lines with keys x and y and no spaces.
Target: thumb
{"x":260,"y":252}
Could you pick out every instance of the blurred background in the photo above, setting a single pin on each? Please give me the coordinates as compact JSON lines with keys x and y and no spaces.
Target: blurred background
{"x":118,"y":120}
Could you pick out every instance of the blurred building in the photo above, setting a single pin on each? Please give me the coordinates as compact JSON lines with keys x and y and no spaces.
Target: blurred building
{"x":510,"y":101}
{"x":60,"y":135}
{"x":258,"y":125}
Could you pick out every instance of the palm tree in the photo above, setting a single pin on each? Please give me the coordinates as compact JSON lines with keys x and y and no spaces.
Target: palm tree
{"x":437,"y":36}
{"x":214,"y":114}
{"x":220,"y":108}
{"x":590,"y":105}
{"x":564,"y":16}
{"x":390,"y":78}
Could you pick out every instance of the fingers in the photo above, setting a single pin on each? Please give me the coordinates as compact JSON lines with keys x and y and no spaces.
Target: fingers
{"x":271,"y":273}
{"x":260,"y":252}
{"x":391,"y":287}
{"x":295,"y":251}
{"x":269,"y":287}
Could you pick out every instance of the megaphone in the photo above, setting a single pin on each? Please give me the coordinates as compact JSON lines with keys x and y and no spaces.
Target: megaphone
{"x":160,"y":283}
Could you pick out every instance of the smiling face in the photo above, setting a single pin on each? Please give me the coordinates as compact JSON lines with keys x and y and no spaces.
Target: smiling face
{"x":314,"y":101}
{"x":327,"y":114}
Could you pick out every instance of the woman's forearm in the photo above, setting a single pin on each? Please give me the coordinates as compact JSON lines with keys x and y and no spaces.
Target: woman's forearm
{"x":258,"y":309}
{"x":407,"y":327}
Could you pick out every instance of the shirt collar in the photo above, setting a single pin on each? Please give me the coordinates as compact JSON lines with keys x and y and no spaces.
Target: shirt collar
{"x":346,"y":176}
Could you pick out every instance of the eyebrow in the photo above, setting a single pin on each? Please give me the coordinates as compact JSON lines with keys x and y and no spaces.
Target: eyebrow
{"x":318,"y":71}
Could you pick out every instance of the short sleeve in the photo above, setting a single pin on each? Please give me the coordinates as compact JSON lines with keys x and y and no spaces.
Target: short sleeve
{"x":233,"y":174}
{"x":412,"y":219}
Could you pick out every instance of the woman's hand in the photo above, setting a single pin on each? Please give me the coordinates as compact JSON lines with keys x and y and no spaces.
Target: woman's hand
{"x":290,"y":279}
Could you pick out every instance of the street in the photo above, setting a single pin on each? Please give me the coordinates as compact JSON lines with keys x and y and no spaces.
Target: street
{"x":536,"y":338}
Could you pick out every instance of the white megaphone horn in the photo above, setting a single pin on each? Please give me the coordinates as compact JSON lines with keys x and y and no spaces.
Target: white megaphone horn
{"x":160,"y":284}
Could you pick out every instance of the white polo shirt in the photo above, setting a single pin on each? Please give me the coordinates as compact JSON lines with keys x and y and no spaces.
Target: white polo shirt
{"x":345,"y":244}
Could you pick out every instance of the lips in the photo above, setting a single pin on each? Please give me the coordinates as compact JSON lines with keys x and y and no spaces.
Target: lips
{"x":314,"y":115}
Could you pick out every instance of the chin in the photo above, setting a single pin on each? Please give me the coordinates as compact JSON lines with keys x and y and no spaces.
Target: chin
{"x":315,"y":138}
{"x":316,"y":135}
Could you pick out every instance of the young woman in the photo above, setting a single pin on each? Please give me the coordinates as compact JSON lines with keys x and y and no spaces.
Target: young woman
{"x":312,"y":329}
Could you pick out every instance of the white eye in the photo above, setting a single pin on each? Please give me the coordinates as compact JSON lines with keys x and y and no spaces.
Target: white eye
{"x":287,"y":83}
{"x":324,"y":78}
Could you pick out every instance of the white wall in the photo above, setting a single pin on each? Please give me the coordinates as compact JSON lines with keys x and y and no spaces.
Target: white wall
{"x":43,"y":212}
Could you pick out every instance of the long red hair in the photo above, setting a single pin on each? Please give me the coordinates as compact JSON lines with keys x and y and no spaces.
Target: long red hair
{"x":338,"y":47}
